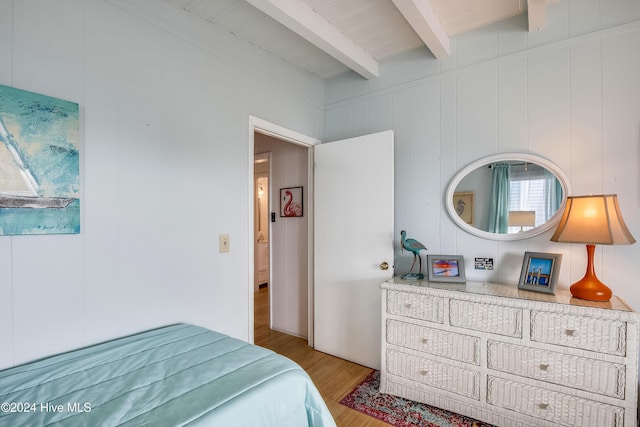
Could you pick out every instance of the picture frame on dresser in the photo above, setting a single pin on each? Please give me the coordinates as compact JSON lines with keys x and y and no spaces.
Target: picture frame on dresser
{"x":446,"y":268}
{"x":540,"y":272}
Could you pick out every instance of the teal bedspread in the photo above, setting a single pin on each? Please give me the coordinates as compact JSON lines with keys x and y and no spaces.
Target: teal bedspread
{"x":172,"y":376}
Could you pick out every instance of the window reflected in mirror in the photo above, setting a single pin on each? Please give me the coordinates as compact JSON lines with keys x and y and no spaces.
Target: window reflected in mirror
{"x":510,"y":196}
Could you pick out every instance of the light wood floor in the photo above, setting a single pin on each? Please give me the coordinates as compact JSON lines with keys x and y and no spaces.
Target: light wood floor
{"x":334,"y":377}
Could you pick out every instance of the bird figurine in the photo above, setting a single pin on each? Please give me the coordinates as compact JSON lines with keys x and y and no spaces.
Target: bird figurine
{"x":412,"y":245}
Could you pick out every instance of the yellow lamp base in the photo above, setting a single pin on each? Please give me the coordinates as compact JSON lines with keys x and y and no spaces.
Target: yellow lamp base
{"x":590,"y":287}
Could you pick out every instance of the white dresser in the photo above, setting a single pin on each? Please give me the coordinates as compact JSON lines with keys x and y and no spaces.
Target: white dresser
{"x":510,"y":357}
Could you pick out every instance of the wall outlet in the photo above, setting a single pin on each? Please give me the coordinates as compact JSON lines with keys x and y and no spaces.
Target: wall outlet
{"x":224,"y":243}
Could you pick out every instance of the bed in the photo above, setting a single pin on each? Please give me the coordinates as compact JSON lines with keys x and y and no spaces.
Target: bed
{"x":171,"y":376}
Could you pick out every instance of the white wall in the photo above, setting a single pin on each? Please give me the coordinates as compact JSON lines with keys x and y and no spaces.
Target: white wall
{"x":289,"y":237}
{"x":165,"y":103}
{"x":570,"y":93}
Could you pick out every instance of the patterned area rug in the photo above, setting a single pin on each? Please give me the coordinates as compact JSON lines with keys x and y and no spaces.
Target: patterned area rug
{"x":401,"y":412}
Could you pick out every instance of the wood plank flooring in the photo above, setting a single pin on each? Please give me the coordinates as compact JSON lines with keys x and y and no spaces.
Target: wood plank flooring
{"x":334,"y":377}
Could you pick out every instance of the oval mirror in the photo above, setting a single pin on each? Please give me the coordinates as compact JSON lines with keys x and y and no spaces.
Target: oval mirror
{"x":508,"y":196}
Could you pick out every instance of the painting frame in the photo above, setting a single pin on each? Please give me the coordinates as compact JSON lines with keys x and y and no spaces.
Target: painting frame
{"x":291,"y":202}
{"x":539,"y":272}
{"x":453,"y":273}
{"x":39,"y":164}
{"x":463,"y":205}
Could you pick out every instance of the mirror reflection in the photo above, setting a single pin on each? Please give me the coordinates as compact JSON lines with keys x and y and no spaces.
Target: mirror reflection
{"x":507,"y":196}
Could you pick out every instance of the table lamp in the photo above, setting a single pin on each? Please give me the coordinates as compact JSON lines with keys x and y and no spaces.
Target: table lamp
{"x":592,"y":220}
{"x":522,"y":219}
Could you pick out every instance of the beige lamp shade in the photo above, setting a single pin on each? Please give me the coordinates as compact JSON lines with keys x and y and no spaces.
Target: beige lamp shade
{"x":522,"y":218}
{"x":593,"y":219}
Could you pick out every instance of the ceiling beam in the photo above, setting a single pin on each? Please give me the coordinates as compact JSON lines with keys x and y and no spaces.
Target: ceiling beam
{"x":304,"y":21}
{"x":537,"y":14}
{"x":420,"y":15}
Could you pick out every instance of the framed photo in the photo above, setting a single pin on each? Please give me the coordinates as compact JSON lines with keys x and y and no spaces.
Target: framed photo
{"x":291,"y":202}
{"x":463,"y":204}
{"x":446,"y":268}
{"x":540,"y":272}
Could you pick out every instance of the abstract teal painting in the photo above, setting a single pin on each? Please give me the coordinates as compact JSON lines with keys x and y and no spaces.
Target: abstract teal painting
{"x":39,"y":164}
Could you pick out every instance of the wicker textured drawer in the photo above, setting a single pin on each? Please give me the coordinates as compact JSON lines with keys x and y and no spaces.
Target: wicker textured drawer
{"x":564,"y":369}
{"x":601,"y":335}
{"x":416,"y":306}
{"x":464,"y":382}
{"x":486,"y":318}
{"x":463,"y":348}
{"x":559,"y":408}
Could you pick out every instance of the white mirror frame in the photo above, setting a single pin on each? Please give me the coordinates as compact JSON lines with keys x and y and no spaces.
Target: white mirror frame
{"x":530,"y":158}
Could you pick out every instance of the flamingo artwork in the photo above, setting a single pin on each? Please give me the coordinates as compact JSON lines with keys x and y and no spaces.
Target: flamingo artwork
{"x":292,"y":205}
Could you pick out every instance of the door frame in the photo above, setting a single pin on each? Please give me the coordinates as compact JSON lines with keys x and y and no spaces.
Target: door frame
{"x":271,"y":129}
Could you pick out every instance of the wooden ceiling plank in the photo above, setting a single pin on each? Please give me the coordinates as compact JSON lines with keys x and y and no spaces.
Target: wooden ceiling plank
{"x":426,"y":24}
{"x":304,"y":21}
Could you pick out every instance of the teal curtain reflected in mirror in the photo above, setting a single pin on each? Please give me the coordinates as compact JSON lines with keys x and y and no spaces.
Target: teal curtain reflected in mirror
{"x":554,"y":194}
{"x":499,"y":206}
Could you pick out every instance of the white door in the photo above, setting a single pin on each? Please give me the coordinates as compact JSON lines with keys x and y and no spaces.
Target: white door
{"x":353,"y":234}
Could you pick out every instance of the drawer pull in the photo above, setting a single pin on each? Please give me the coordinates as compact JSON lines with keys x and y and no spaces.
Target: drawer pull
{"x":424,"y":341}
{"x":424,"y":373}
{"x":569,"y":332}
{"x":407,"y":305}
{"x":543,"y":406}
{"x":544,"y":367}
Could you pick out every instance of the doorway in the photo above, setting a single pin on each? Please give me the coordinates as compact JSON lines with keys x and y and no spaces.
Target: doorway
{"x":290,"y":239}
{"x":261,"y":229}
{"x":287,"y":275}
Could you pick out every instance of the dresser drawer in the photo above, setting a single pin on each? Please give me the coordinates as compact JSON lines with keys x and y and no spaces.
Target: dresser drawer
{"x":578,"y":372}
{"x":495,"y":319}
{"x":587,"y":333}
{"x":559,"y":408}
{"x":454,"y":346}
{"x":423,"y":307}
{"x":464,"y":382}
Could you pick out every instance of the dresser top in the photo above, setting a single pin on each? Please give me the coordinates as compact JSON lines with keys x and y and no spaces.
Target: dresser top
{"x":562,"y":296}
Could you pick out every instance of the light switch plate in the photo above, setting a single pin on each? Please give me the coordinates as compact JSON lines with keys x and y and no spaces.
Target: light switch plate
{"x":224,"y":243}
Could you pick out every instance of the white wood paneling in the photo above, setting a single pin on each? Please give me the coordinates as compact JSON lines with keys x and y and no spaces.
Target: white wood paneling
{"x":512,"y":105}
{"x":45,"y":277}
{"x":586,"y":116}
{"x":570,"y":98}
{"x":423,"y":165}
{"x":6,"y":51}
{"x":6,"y":284}
{"x":48,"y":300}
{"x":477,"y":112}
{"x":584,"y":16}
{"x":6,"y":303}
{"x":620,"y":158}
{"x":548,"y":101}
{"x":164,"y":102}
{"x":55,"y":44}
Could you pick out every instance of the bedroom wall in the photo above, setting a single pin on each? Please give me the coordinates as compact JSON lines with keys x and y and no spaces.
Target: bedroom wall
{"x":165,"y":103}
{"x":570,"y":93}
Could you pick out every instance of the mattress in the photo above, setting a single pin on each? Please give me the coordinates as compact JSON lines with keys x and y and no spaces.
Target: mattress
{"x":172,"y":376}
